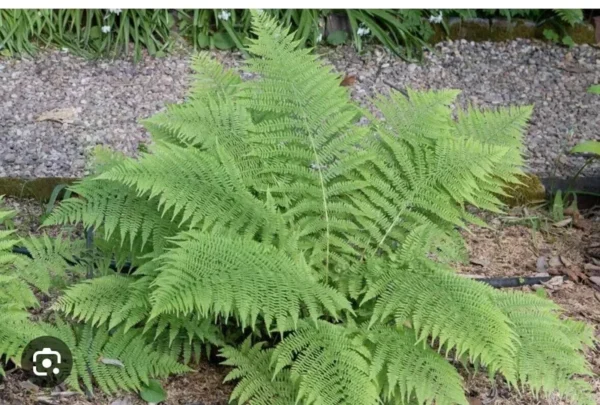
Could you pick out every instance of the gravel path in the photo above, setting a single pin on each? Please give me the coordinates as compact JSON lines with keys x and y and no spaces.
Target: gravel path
{"x":109,"y":97}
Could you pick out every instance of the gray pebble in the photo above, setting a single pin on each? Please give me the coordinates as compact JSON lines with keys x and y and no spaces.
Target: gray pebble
{"x":113,"y":96}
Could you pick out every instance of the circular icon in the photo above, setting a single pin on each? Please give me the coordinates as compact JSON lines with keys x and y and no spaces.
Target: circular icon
{"x":47,"y":360}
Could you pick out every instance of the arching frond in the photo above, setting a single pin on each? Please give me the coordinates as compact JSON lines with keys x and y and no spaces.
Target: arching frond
{"x":257,"y":383}
{"x":216,"y":275}
{"x":329,"y":363}
{"x":412,"y":371}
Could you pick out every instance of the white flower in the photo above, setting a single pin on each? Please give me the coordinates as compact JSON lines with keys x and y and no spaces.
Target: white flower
{"x":116,"y":11}
{"x":320,"y":38}
{"x":436,"y":19}
{"x":224,"y":15}
{"x":105,"y":29}
{"x":362,"y":31}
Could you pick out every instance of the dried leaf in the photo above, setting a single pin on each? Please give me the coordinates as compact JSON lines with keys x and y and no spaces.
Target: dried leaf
{"x":29,"y":386}
{"x":480,"y":262}
{"x":595,"y":280}
{"x":554,"y":282}
{"x":564,"y":260}
{"x":348,"y":81}
{"x":575,"y":274}
{"x":62,"y":115}
{"x":592,"y":269}
{"x":122,"y":401}
{"x":111,"y":362}
{"x":474,"y":401}
{"x":563,"y":223}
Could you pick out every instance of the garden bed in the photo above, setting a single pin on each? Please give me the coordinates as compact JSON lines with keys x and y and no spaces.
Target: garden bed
{"x":512,"y":247}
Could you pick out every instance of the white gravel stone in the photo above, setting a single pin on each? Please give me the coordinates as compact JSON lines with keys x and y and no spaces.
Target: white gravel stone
{"x":112,"y":96}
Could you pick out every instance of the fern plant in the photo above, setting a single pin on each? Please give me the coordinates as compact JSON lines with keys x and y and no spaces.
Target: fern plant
{"x":54,"y":263}
{"x":264,"y":211}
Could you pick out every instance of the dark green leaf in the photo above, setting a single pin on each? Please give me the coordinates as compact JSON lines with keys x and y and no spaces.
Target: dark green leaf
{"x":153,"y":392}
{"x":594,"y":89}
{"x":222,"y":40}
{"x":337,"y":37}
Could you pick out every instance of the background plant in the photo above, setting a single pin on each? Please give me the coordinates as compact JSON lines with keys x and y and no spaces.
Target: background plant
{"x":95,"y":33}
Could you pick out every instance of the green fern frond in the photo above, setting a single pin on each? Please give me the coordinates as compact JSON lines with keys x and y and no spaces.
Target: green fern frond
{"x":216,"y":275}
{"x":409,"y":370}
{"x":218,"y":198}
{"x":89,"y":346}
{"x":538,"y":326}
{"x":53,"y":261}
{"x":210,"y":77}
{"x":114,"y":209}
{"x":17,"y":330}
{"x":570,"y":16}
{"x":300,"y":105}
{"x":329,"y":363}
{"x":258,"y":385}
{"x":99,"y":301}
{"x":16,"y":297}
{"x":452,"y":311}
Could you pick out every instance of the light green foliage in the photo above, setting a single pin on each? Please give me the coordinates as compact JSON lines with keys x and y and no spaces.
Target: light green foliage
{"x":15,"y":298}
{"x":114,"y":359}
{"x":46,"y":272}
{"x":594,"y":89}
{"x":255,"y":374}
{"x":592,"y":147}
{"x":570,"y":16}
{"x":266,"y":211}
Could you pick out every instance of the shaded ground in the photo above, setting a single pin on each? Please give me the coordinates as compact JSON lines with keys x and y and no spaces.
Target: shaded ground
{"x":511,"y":247}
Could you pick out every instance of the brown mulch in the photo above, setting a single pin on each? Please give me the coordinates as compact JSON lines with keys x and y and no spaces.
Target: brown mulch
{"x":526,"y":249}
{"x":201,"y":387}
{"x":512,"y":247}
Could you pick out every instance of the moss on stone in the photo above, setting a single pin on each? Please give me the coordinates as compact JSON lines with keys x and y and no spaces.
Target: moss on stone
{"x":582,"y":34}
{"x":502,"y":30}
{"x":476,"y":29}
{"x":496,"y":30}
{"x":530,"y":192}
{"x":39,"y":189}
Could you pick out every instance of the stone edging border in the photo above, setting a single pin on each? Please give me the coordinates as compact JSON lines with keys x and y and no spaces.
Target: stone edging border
{"x":495,"y":29}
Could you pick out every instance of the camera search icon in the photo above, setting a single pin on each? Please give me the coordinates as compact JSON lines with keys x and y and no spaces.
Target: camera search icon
{"x":47,"y":361}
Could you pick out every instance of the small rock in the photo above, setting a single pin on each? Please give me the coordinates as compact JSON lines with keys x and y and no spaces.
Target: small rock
{"x":554,"y":282}
{"x":555,"y":262}
{"x":595,"y":280}
{"x":541,"y":264}
{"x":10,"y":157}
{"x":29,"y":386}
{"x":536,"y":287}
